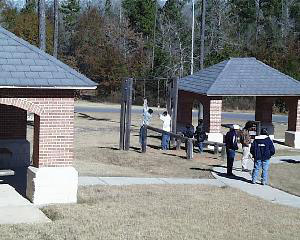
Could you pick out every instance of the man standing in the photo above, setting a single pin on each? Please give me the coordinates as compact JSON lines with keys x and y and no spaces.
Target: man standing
{"x":200,"y":136}
{"x":262,"y":150}
{"x":246,"y":142}
{"x":147,"y":115}
{"x":231,"y":147}
{"x":165,"y":117}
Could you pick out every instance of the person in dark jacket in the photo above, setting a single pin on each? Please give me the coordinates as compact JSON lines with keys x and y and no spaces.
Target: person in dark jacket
{"x":262,"y":150}
{"x":231,"y":147}
{"x":200,"y":137}
{"x":188,"y":132}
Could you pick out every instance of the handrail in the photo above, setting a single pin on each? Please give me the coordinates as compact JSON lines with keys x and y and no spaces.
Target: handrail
{"x":181,"y":138}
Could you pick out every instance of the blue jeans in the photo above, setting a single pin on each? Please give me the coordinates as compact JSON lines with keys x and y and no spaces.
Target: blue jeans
{"x":165,"y":141}
{"x":258,"y":164}
{"x":230,"y":159}
{"x":200,"y":146}
{"x":143,"y":135}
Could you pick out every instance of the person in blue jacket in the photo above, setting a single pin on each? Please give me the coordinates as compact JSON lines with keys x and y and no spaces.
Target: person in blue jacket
{"x":231,"y":147}
{"x":262,"y":149}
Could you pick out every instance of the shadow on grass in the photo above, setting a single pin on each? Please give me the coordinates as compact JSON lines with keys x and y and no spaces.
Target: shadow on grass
{"x":88,"y":117}
{"x":111,"y":148}
{"x":289,"y":161}
{"x":223,"y":174}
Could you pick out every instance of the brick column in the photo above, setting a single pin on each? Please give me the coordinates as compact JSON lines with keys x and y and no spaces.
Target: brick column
{"x":212,"y":117}
{"x":263,"y":109}
{"x":294,"y":114}
{"x":184,"y":110}
{"x":292,"y":135}
{"x":263,"y":113}
{"x":57,"y":133}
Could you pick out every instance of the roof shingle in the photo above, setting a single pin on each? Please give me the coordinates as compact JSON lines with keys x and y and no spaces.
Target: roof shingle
{"x":240,"y":77}
{"x":25,"y":66}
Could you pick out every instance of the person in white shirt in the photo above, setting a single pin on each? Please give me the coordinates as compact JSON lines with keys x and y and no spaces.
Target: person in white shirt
{"x":147,"y":115}
{"x":165,"y":117}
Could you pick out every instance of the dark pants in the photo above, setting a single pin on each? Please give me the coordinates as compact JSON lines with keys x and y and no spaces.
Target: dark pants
{"x":143,"y":135}
{"x":230,"y":159}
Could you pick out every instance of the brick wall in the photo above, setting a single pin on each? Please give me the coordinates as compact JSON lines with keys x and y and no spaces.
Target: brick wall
{"x":263,"y":109}
{"x":12,"y":122}
{"x":54,"y":123}
{"x":294,"y":113}
{"x":212,"y":109}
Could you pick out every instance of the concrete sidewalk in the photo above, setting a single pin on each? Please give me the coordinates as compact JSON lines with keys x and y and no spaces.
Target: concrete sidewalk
{"x":242,"y":181}
{"x":15,"y":209}
{"x":120,"y":181}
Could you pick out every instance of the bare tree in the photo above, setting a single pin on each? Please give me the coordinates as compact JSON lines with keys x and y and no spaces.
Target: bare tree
{"x":55,"y":32}
{"x":42,"y":25}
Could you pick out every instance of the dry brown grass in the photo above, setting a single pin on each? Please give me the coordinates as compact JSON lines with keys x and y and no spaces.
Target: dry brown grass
{"x":285,"y":176}
{"x":162,"y":212}
{"x":97,"y":140}
{"x":97,"y":154}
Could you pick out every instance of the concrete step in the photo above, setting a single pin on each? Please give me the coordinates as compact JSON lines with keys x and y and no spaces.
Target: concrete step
{"x":15,"y":209}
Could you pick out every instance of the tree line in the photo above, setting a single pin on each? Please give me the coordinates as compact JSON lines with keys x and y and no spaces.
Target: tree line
{"x":152,"y":39}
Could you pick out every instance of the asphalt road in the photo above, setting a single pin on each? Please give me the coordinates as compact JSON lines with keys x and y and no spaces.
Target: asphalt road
{"x":225,"y":115}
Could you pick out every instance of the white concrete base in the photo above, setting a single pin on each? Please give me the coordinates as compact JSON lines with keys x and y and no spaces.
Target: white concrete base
{"x":52,"y":185}
{"x":214,"y":137}
{"x":292,"y":139}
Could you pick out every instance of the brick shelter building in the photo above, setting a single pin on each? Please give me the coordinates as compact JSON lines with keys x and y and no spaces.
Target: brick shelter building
{"x":33,"y":81}
{"x":239,"y":77}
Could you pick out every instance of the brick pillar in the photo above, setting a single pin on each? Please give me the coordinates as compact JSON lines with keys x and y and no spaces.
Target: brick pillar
{"x":294,"y":114}
{"x":212,"y":114}
{"x":184,"y":110}
{"x":36,"y":141}
{"x":57,"y":134}
{"x":263,"y":109}
{"x":263,"y":113}
{"x":212,"y":117}
{"x":292,"y":135}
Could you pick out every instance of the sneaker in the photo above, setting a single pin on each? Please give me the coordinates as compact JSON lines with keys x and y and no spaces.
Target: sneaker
{"x":264,"y":183}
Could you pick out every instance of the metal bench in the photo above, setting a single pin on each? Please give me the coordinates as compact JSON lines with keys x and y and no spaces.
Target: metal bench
{"x":7,"y":172}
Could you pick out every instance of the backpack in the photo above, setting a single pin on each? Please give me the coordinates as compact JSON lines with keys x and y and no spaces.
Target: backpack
{"x":246,"y":139}
{"x":189,"y":132}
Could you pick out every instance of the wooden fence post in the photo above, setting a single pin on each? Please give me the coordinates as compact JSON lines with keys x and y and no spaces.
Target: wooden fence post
{"x":189,"y":152}
{"x":125,"y":115}
{"x":144,"y":139}
{"x":223,"y":153}
{"x":128,"y":113}
{"x":178,"y":143}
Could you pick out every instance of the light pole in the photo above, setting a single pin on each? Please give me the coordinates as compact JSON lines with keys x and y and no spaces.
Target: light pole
{"x":193,"y":30}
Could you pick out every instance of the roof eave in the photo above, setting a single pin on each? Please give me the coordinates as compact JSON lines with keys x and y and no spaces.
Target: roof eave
{"x":53,"y":87}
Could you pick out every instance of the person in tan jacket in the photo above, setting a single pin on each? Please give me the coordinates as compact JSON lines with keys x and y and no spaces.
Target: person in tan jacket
{"x":245,"y":140}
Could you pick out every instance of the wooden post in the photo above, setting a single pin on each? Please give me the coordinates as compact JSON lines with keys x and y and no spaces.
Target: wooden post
{"x":189,"y":152}
{"x":178,"y":143}
{"x":223,"y":153}
{"x":174,"y":105}
{"x":128,"y":113}
{"x":122,"y":115}
{"x":144,"y":140}
{"x":169,"y":97}
{"x":216,"y":149}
